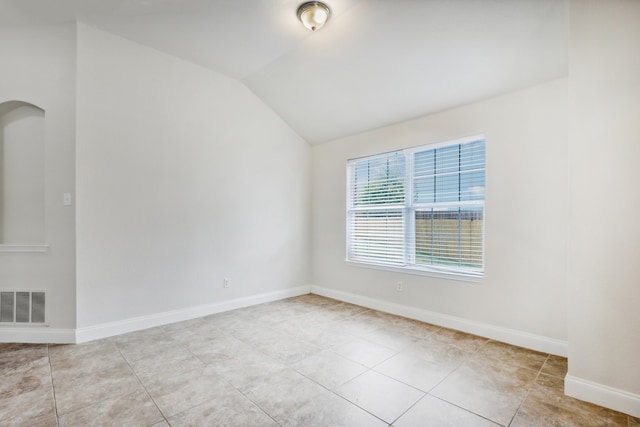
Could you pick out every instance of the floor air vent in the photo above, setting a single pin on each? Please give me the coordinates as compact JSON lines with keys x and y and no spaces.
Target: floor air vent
{"x":21,"y":307}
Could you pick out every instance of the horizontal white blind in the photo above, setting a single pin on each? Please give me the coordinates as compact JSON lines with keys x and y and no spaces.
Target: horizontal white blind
{"x":378,"y":180}
{"x":419,"y":208}
{"x":450,"y":237}
{"x":376,"y":217}
{"x":449,"y":174}
{"x":377,"y":235}
{"x":448,"y":197}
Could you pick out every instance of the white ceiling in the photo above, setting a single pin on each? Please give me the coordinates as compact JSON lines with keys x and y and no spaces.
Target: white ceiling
{"x":375,"y":63}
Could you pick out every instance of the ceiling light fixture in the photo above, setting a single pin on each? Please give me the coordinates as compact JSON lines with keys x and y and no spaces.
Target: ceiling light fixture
{"x":314,"y":14}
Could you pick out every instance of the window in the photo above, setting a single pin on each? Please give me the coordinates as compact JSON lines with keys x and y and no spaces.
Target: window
{"x":421,"y":208}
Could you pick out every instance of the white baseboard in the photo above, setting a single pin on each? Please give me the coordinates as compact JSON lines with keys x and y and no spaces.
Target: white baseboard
{"x":37,"y":335}
{"x":510,"y":336}
{"x":105,"y":330}
{"x":602,"y":395}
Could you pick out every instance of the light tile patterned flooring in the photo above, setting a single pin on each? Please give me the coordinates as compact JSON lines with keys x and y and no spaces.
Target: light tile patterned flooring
{"x":304,"y":361}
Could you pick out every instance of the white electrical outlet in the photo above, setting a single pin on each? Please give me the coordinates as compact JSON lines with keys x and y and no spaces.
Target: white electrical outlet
{"x":399,"y":286}
{"x":227,"y":282}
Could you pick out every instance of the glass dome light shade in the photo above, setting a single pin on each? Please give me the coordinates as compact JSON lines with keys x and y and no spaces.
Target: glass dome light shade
{"x":314,"y":14}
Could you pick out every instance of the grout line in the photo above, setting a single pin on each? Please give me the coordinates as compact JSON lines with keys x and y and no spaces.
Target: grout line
{"x":519,"y":407}
{"x":465,"y":409}
{"x":53,"y":387}
{"x":541,"y":367}
{"x":86,"y":404}
{"x":252,"y":401}
{"x":462,"y":362}
{"x":257,"y":406}
{"x":341,"y":396}
{"x":409,"y":408}
{"x":290,"y":367}
{"x":254,"y":348}
{"x":468,"y":356}
{"x":529,"y":390}
{"x":141,"y":383}
{"x":227,"y":382}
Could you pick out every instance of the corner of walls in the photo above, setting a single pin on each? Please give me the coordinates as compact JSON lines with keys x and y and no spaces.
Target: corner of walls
{"x":602,"y":395}
{"x":185,"y":177}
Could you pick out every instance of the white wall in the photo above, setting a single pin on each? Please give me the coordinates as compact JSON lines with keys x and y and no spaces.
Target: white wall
{"x":183,"y":177}
{"x":604,"y":245}
{"x":38,"y":67}
{"x":524,"y":287}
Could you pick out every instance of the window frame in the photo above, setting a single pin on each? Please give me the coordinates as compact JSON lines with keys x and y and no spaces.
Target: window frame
{"x":409,"y":209}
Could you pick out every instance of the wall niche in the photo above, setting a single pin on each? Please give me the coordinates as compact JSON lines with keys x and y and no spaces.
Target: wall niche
{"x":22,"y":174}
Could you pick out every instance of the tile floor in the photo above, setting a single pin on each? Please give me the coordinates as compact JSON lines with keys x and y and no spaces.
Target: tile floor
{"x":304,"y":361}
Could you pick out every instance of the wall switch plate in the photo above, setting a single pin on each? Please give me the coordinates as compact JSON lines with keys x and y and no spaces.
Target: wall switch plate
{"x":66,"y":199}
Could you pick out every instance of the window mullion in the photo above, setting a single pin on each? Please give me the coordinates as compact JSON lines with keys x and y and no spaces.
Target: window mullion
{"x":459,"y":200}
{"x":410,"y":223}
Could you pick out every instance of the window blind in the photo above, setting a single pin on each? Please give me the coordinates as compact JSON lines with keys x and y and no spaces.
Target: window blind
{"x":448,"y":204}
{"x":376,"y":218}
{"x":419,"y":208}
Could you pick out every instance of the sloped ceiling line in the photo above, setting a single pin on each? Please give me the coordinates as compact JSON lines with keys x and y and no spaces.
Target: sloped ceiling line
{"x":377,"y":62}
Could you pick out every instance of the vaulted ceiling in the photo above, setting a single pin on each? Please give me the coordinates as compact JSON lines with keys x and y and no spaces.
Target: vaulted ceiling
{"x":375,"y":63}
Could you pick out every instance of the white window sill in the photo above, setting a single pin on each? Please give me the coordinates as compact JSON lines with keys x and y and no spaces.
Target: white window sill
{"x":24,"y":248}
{"x":14,"y":325}
{"x":441,"y":274}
